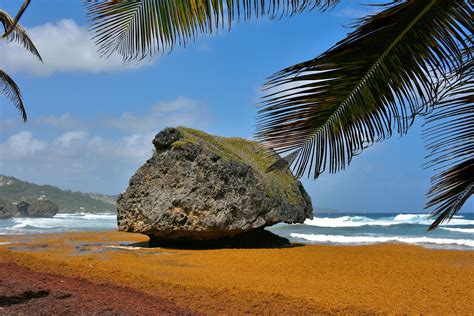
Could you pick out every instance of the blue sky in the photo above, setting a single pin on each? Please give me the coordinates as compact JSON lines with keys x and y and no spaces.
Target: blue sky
{"x":91,"y":120}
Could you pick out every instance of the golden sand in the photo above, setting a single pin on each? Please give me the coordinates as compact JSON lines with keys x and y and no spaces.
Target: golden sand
{"x":303,"y":279}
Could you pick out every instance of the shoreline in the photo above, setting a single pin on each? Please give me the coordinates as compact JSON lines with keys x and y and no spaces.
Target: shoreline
{"x":424,"y":245}
{"x":382,"y":278}
{"x":345,"y":229}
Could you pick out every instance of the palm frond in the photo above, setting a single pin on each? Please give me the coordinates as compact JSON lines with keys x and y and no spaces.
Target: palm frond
{"x":10,"y":29}
{"x":16,"y":33}
{"x":138,"y":29}
{"x":450,"y":142}
{"x":9,"y":89}
{"x":373,"y":82}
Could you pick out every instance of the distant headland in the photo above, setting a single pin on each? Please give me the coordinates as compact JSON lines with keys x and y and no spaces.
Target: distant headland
{"x":13,"y":190}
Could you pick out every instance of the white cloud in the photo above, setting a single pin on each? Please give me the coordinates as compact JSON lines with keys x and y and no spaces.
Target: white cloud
{"x":135,"y":145}
{"x":181,"y":111}
{"x":75,"y":160}
{"x":64,"y":121}
{"x":97,"y":155}
{"x":65,"y":47}
{"x":20,"y":146}
{"x":67,"y":138}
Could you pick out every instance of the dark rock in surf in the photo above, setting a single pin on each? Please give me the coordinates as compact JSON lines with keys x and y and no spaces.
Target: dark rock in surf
{"x":42,"y":208}
{"x":39,"y":208}
{"x":22,"y":209}
{"x":5,"y":210}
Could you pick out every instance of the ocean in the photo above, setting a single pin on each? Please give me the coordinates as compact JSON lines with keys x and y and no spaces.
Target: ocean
{"x":373,"y":228}
{"x":335,"y":229}
{"x":62,"y":222}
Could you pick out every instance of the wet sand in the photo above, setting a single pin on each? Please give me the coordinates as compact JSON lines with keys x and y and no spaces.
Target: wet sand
{"x":377,"y":279}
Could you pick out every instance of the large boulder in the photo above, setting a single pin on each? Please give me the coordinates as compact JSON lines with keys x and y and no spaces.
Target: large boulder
{"x":21,"y":209}
{"x":201,"y":187}
{"x":39,"y":208}
{"x":5,"y":210}
{"x":42,"y":208}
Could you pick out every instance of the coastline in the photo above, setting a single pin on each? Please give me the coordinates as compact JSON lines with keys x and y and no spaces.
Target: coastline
{"x":373,"y":279}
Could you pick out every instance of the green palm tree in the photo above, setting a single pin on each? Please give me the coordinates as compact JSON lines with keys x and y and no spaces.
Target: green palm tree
{"x":413,"y":58}
{"x":14,"y":32}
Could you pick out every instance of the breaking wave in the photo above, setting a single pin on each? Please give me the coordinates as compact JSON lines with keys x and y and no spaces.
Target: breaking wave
{"x":459,"y":230}
{"x":358,"y":221}
{"x":59,"y":223}
{"x":339,"y":239}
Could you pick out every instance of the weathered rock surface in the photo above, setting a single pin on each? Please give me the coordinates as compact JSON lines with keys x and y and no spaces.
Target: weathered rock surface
{"x":42,"y":208}
{"x":5,"y":210}
{"x":21,"y":209}
{"x":39,"y":208}
{"x":201,"y":187}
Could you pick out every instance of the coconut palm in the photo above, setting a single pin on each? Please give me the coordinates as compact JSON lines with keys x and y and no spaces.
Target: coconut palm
{"x":411,"y":59}
{"x":14,"y":32}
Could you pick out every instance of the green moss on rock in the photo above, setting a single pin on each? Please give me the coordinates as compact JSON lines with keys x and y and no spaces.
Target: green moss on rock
{"x":182,"y":142}
{"x":247,"y":152}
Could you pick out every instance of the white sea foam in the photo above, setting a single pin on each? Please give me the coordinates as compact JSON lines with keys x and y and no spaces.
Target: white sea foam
{"x":460,"y":230}
{"x":379,"y":239}
{"x":411,"y":217}
{"x":100,"y":216}
{"x":346,"y":221}
{"x":61,"y":222}
{"x":358,"y":221}
{"x":126,"y":247}
{"x":85,"y":216}
{"x":21,"y":225}
{"x":32,"y":222}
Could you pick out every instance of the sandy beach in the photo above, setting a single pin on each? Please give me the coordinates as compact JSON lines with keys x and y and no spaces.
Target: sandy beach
{"x":107,"y":269}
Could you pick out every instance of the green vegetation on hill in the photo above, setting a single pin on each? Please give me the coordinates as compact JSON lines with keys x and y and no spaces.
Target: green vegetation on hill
{"x":13,"y":190}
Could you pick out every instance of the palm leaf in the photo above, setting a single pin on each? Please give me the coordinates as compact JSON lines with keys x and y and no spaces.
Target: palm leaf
{"x":451,"y":146}
{"x":375,"y":81}
{"x":16,"y":33}
{"x":138,"y":29}
{"x":9,"y":89}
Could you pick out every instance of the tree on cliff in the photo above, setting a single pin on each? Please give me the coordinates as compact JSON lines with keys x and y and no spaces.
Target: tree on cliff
{"x":413,"y":58}
{"x":14,"y":32}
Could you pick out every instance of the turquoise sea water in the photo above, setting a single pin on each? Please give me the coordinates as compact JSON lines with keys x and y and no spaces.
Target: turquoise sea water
{"x":338,"y":229}
{"x":372,"y":228}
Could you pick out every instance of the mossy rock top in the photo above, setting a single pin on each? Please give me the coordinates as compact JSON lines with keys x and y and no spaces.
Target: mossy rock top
{"x":244,"y":151}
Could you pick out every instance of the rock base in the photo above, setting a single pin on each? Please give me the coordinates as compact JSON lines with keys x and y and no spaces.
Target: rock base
{"x":257,"y":238}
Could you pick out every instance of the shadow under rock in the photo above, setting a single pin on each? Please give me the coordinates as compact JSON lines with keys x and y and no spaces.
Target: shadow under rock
{"x":254,"y":239}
